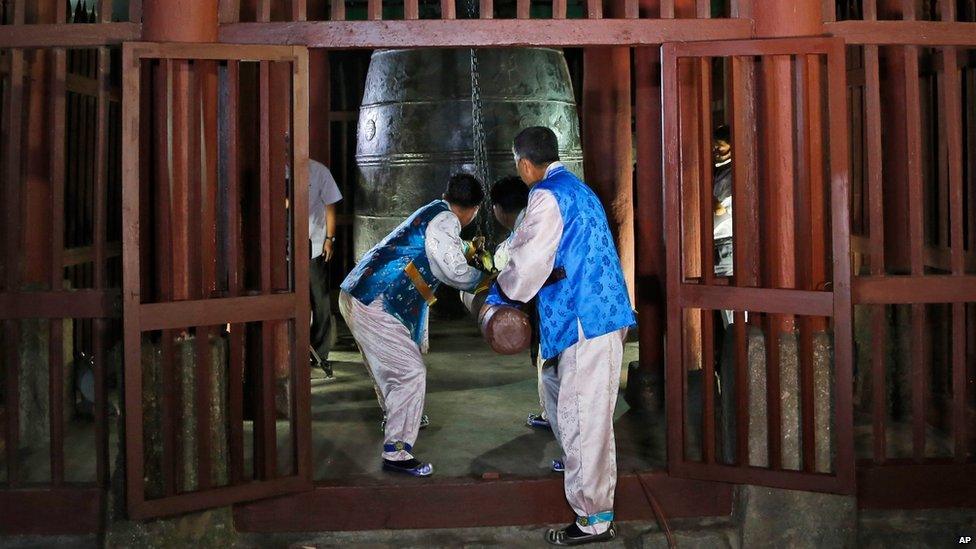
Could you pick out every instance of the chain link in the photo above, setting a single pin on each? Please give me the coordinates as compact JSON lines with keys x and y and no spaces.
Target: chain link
{"x":479,"y":143}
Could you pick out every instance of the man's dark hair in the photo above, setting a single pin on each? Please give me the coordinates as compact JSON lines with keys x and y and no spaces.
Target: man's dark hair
{"x":510,"y":194}
{"x":723,"y":133}
{"x":538,"y":145}
{"x":464,"y":190}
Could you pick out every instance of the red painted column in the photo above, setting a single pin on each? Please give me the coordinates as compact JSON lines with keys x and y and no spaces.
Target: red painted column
{"x":895,"y":147}
{"x":772,"y":20}
{"x":608,"y":144}
{"x":179,"y":20}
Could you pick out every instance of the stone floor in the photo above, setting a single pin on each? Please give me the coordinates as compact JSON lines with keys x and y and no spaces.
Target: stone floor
{"x":477,"y":402}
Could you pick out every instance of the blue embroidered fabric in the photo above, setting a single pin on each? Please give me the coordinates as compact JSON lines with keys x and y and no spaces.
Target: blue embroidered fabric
{"x":594,"y":290}
{"x":381,"y":271}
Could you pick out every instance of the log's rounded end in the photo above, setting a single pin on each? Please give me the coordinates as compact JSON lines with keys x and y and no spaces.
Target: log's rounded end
{"x":506,"y":329}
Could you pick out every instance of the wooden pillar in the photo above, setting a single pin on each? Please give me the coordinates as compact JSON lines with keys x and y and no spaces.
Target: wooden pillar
{"x":320,"y":104}
{"x":894,"y":160}
{"x":44,"y":78}
{"x":608,"y":144}
{"x":782,"y":19}
{"x":179,"y":20}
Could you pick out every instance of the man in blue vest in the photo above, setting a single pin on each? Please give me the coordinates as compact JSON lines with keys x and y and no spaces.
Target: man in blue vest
{"x":562,"y":254}
{"x":385,"y":301}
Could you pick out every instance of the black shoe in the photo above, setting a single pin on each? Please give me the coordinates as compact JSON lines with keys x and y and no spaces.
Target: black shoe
{"x":411,"y":467}
{"x":572,"y":535}
{"x":327,"y":368}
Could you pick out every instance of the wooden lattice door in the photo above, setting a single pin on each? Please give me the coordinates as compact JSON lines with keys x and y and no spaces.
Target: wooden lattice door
{"x":759,"y":349}
{"x":215,"y":167}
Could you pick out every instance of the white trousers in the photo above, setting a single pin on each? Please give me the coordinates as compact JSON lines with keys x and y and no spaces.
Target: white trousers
{"x":393,"y":360}
{"x":580,"y":397}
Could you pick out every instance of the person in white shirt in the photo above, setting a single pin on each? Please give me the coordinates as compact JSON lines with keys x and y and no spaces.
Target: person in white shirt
{"x":323,"y":195}
{"x":385,"y":301}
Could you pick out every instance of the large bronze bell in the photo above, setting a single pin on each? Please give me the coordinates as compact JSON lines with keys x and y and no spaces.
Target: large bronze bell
{"x":415,"y":124}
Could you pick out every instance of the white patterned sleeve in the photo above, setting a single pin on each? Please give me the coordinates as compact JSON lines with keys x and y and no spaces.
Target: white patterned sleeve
{"x":445,"y":250}
{"x":532,"y":248}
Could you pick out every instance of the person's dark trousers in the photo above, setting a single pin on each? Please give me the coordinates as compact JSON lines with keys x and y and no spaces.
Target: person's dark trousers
{"x":320,"y":336}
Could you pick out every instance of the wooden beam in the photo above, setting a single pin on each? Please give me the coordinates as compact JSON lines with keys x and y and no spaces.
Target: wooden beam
{"x":49,"y":512}
{"x":914,"y":486}
{"x":915,"y":289}
{"x":920,"y":33}
{"x":474,"y":33}
{"x":60,"y":304}
{"x":758,"y":300}
{"x":457,"y":503}
{"x":68,"y":35}
{"x":211,"y":312}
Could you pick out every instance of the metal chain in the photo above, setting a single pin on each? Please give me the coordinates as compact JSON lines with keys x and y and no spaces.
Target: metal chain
{"x":479,"y":142}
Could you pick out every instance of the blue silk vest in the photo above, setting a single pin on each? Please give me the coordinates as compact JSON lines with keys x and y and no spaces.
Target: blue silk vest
{"x":382,"y":271}
{"x":593,"y":291}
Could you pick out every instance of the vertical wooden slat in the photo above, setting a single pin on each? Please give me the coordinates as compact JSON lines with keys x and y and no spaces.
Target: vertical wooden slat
{"x":265,"y":441}
{"x":202,"y":394}
{"x":204,"y":157}
{"x":667,"y":9}
{"x":811,"y":240}
{"x":675,"y":385}
{"x":649,"y":200}
{"x":301,"y":376}
{"x":235,"y":381}
{"x":779,"y":224}
{"x":745,"y":173}
{"x":523,"y":9}
{"x":920,"y":362}
{"x":741,"y":396}
{"x":411,"y":9}
{"x":843,"y":408}
{"x":206,"y":110}
{"x":135,"y":11}
{"x":337,"y":9}
{"x":594,"y":9}
{"x":869,"y":9}
{"x":909,"y":10}
{"x":804,"y":242}
{"x":745,"y":219}
{"x":706,"y":199}
{"x":162,"y":107}
{"x":703,"y":9}
{"x":180,"y":192}
{"x":102,"y":163}
{"x":13,"y":128}
{"x":56,"y":151}
{"x":631,"y":9}
{"x":374,"y":10}
{"x":263,"y":14}
{"x":229,"y":11}
{"x":559,"y":9}
{"x":449,"y":11}
{"x":486,"y":9}
{"x":132,"y":344}
{"x":952,"y":107}
{"x":195,"y":215}
{"x":299,"y":10}
{"x":873,"y":154}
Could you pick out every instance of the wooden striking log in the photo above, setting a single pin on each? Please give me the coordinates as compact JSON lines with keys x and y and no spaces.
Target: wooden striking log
{"x":505,"y":328}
